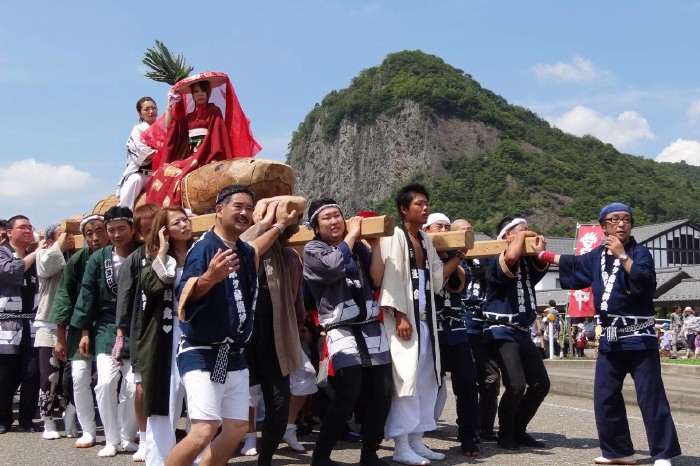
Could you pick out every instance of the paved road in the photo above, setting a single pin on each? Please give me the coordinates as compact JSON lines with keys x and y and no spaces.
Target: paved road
{"x":565,"y":423}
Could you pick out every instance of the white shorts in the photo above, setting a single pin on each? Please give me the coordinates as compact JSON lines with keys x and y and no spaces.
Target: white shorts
{"x":213,"y":401}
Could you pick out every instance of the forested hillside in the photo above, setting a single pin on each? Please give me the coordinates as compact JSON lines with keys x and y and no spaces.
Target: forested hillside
{"x":481,"y":157}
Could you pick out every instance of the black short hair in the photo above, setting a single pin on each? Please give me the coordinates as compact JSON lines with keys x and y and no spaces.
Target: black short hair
{"x":504,"y":221}
{"x":4,"y":224}
{"x":12,"y":220}
{"x":226,"y":192}
{"x":313,"y":207}
{"x":406,"y":195}
{"x":552,"y":303}
{"x":120,"y":212}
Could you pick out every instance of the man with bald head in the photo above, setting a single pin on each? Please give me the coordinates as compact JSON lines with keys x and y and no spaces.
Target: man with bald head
{"x":488,"y":375}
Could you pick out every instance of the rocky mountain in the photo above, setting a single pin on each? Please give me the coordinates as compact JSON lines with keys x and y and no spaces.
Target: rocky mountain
{"x":415,"y":117}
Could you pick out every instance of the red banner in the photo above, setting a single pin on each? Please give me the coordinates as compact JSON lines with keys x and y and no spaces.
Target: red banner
{"x":588,"y":237}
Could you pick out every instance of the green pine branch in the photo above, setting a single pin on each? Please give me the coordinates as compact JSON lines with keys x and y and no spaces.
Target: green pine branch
{"x":167,"y":68}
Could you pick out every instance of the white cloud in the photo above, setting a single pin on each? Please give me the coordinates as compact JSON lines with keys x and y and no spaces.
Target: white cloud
{"x":620,"y":131}
{"x":694,"y":112}
{"x":681,"y":149}
{"x":28,"y":179}
{"x":579,"y":71}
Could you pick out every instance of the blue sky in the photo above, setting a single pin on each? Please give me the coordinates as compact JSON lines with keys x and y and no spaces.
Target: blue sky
{"x":624,"y":71}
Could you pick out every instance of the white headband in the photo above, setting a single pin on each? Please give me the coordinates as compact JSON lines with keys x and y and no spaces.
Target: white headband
{"x":512,"y":224}
{"x":323,"y":207}
{"x":89,"y":219}
{"x":436,"y":217}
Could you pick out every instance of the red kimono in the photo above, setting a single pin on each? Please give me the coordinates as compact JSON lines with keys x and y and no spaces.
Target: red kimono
{"x":227,"y":136}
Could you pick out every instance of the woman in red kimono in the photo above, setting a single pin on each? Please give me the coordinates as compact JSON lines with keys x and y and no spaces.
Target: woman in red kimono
{"x":205,"y":123}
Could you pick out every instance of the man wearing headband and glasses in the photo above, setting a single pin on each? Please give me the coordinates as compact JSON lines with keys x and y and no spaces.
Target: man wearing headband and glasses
{"x":97,"y":304}
{"x":622,"y":275}
{"x":510,"y":309}
{"x":413,"y":272}
{"x":18,"y":295}
{"x":342,"y":274}
{"x":218,"y":292}
{"x":77,"y":377}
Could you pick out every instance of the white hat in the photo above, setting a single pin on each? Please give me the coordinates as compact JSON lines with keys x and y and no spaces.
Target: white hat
{"x":436,"y":217}
{"x":689,"y":309}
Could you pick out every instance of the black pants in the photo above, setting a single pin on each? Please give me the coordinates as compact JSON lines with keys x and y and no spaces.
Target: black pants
{"x":264,"y":368}
{"x":488,"y":377}
{"x":526,"y":384}
{"x":275,"y":391}
{"x":372,"y":384}
{"x":459,"y":362}
{"x":610,"y":413}
{"x":20,"y":370}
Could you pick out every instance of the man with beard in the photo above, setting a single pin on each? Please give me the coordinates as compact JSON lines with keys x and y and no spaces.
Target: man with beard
{"x":218,"y":292}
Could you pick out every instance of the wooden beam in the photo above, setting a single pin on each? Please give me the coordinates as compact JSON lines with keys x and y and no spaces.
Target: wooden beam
{"x":452,"y":240}
{"x":372,"y":227}
{"x":71,"y":226}
{"x":483,"y":249}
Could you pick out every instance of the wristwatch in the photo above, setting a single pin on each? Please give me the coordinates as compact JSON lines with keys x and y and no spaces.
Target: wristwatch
{"x":623,"y":257}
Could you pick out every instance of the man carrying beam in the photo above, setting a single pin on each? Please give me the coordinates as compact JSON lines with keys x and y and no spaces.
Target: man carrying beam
{"x":413,"y":272}
{"x":455,"y":352}
{"x":509,"y":309}
{"x":342,"y":274}
{"x":79,"y":370}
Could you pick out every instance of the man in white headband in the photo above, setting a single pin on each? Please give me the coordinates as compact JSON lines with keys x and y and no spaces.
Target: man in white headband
{"x":510,"y":309}
{"x":78,"y":375}
{"x":95,"y":316}
{"x":455,"y":352}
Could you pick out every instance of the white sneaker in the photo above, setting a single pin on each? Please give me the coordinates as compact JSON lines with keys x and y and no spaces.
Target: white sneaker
{"x":662,"y":463}
{"x":69,"y":421}
{"x":87,"y":440}
{"x":290,"y":437}
{"x":140,"y":455}
{"x":415,"y":441}
{"x":128,"y":445}
{"x":250,"y":444}
{"x":50,"y":432}
{"x":109,"y":450}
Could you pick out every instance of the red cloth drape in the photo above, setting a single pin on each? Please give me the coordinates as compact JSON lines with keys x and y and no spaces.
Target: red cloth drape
{"x":229,"y":136}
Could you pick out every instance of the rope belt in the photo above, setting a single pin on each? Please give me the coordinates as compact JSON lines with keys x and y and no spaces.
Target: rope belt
{"x":508,"y":324}
{"x":613,"y":333}
{"x":350,"y":323}
{"x":13,"y":315}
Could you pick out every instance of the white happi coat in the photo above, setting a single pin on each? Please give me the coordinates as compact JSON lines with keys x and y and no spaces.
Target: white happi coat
{"x":396,"y":292}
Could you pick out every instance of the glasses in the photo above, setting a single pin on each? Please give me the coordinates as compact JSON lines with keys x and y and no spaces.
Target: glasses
{"x":617,"y":220}
{"x":24,"y":228}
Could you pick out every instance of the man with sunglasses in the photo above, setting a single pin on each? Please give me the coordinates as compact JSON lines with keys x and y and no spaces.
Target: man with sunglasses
{"x":621,"y":273}
{"x":19,"y":360}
